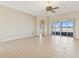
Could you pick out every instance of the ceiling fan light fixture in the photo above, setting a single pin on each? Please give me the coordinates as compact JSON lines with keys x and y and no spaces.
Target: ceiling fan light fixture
{"x":49,"y":8}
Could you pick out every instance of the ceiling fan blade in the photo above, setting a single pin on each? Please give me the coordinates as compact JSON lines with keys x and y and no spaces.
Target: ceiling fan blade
{"x":53,"y":11}
{"x":55,"y":8}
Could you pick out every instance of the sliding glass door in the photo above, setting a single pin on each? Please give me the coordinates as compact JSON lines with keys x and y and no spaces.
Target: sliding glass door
{"x":56,"y":28}
{"x":63,"y":28}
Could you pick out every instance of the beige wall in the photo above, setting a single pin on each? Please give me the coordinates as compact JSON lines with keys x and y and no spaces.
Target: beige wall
{"x":15,"y":24}
{"x":69,"y":16}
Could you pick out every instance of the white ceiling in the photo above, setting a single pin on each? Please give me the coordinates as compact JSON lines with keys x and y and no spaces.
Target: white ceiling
{"x":36,"y":8}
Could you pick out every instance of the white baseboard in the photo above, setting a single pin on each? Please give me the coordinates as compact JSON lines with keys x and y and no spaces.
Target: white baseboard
{"x":14,"y":38}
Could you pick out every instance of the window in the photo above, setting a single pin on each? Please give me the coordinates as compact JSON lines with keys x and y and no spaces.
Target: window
{"x":58,"y":24}
{"x":67,"y":24}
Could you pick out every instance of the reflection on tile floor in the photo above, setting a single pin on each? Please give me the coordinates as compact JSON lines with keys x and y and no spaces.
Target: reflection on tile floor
{"x":55,"y":46}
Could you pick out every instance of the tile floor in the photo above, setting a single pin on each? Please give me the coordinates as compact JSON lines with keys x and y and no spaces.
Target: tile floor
{"x":41,"y":47}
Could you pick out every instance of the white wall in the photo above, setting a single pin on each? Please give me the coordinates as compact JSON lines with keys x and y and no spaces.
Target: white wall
{"x":15,"y":24}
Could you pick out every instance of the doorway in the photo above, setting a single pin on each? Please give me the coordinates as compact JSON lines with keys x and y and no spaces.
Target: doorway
{"x":42,"y":27}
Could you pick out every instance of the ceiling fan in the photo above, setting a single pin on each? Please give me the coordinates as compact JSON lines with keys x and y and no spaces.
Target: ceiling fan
{"x":50,"y":8}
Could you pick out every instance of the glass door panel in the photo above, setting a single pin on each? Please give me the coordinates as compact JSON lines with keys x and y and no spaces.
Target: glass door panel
{"x":67,"y":28}
{"x":58,"y":28}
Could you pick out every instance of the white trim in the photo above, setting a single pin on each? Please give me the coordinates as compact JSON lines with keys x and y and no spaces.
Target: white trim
{"x":3,"y":40}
